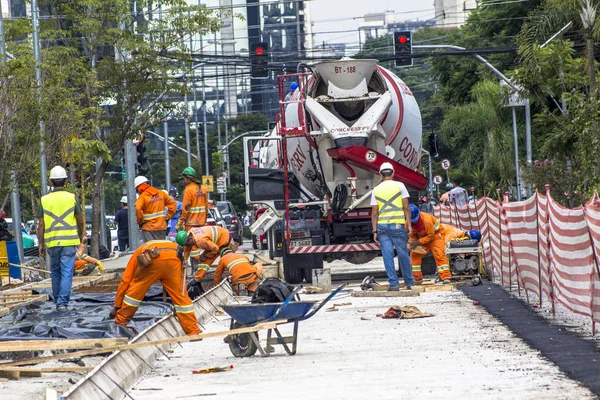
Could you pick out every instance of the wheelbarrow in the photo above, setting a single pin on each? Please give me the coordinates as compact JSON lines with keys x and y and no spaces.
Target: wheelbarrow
{"x":244,"y":315}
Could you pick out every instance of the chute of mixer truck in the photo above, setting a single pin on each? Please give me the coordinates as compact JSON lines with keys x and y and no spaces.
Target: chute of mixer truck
{"x":315,"y":171}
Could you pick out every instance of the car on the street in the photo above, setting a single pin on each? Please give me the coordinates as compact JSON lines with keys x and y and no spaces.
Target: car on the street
{"x":234,"y":223}
{"x":28,"y":238}
{"x":111,"y":232}
{"x":214,"y":218}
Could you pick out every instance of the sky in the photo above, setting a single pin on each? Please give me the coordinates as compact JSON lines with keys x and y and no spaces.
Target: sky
{"x":345,"y":16}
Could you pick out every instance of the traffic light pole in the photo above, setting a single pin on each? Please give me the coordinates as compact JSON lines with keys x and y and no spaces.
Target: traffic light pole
{"x":131,"y":194}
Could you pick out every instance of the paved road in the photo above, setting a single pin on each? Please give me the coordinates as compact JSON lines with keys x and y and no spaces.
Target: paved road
{"x":461,"y":352}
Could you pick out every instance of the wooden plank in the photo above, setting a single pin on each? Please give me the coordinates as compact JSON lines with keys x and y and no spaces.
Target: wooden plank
{"x":4,"y":311}
{"x":434,"y":288}
{"x":18,"y":296}
{"x":130,"y":346}
{"x":49,"y":369}
{"x":60,"y":344}
{"x":18,"y":293}
{"x":401,"y":293}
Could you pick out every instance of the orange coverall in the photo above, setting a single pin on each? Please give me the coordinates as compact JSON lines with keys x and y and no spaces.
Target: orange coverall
{"x":430,"y":233}
{"x":211,"y":239}
{"x":82,"y":259}
{"x":136,"y":281}
{"x":150,"y":209}
{"x":240,"y":269}
{"x":194,"y":206}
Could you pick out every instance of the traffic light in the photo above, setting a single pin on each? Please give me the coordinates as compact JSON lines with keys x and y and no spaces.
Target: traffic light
{"x":433,"y":145}
{"x":141,"y":158}
{"x":403,"y":48}
{"x":259,"y":60}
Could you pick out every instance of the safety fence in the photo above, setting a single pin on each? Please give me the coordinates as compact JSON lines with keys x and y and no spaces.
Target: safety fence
{"x":548,"y":250}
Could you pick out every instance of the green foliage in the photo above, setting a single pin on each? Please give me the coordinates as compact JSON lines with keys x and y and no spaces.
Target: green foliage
{"x":562,"y":177}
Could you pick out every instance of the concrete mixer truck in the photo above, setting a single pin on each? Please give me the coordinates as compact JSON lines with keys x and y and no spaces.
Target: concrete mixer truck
{"x":315,"y":171}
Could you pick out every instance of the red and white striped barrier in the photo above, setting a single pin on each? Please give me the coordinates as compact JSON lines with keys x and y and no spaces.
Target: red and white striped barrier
{"x":334,"y":248}
{"x":540,"y":246}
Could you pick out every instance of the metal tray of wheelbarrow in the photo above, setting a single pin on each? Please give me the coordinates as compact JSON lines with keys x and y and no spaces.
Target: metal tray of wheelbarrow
{"x":250,"y":314}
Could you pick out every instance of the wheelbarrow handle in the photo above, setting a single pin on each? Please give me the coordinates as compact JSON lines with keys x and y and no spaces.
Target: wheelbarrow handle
{"x":314,"y":310}
{"x":285,"y":303}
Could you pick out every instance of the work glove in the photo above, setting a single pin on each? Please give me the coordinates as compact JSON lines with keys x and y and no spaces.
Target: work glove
{"x":100,"y":265}
{"x":113,"y":313}
{"x":179,"y":226}
{"x":194,"y":289}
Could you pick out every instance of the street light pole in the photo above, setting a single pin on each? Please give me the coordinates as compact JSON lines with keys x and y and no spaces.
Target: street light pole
{"x":167,"y":159}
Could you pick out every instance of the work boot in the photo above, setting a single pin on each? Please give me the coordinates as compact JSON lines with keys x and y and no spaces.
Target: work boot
{"x":418,"y":281}
{"x":89,"y":268}
{"x":394,"y":289}
{"x":62,"y":308}
{"x":447,"y":281}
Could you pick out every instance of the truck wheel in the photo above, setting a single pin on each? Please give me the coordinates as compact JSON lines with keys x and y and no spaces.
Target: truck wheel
{"x":241,"y":345}
{"x":293,"y":275}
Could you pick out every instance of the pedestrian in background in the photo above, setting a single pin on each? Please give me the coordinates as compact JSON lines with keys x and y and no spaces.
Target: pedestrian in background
{"x":389,"y":210}
{"x":61,"y":229}
{"x":150,"y":210}
{"x":122,"y":223}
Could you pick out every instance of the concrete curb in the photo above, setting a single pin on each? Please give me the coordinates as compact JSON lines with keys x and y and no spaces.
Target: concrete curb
{"x":122,"y":370}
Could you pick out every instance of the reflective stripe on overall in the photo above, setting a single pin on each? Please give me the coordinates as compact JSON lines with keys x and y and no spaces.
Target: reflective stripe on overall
{"x":60,"y":225}
{"x":148,"y":217}
{"x":389,"y":203}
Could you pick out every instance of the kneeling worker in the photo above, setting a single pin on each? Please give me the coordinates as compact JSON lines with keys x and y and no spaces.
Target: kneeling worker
{"x":84,"y":264}
{"x":165,"y":266}
{"x":239,"y":267}
{"x":429,"y":233}
{"x":203,"y":245}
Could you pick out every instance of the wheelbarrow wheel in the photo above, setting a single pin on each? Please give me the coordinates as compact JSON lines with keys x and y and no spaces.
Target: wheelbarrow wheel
{"x":241,"y":345}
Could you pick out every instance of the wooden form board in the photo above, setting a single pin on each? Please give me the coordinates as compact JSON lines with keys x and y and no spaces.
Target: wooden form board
{"x":16,"y":373}
{"x":60,"y":344}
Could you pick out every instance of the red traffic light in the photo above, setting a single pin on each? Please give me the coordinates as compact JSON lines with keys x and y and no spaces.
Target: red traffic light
{"x":259,"y":51}
{"x":402,"y":39}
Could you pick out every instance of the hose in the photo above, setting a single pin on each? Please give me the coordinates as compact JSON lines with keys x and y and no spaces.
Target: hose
{"x":340,"y":195}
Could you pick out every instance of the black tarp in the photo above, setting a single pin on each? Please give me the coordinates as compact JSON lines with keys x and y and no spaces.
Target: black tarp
{"x":87,"y":318}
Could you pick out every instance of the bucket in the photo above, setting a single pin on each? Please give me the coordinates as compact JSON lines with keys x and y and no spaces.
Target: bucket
{"x":321,"y":277}
{"x":9,"y":253}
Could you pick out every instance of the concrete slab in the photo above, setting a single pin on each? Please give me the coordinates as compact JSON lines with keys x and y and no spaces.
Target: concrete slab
{"x":461,"y":352}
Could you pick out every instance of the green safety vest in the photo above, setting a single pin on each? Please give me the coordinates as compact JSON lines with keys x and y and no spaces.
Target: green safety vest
{"x":60,"y":225}
{"x":389,"y":203}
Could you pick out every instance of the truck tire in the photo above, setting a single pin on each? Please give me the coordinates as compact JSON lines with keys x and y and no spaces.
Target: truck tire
{"x":293,"y":275}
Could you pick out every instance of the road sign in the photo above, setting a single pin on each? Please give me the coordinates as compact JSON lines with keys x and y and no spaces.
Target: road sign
{"x":445,"y":164}
{"x":437,"y":180}
{"x":207,"y":180}
{"x":221,"y":185}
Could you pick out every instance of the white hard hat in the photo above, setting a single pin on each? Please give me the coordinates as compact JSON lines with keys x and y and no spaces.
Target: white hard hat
{"x":139,"y":180}
{"x":386,"y":165}
{"x":58,"y":172}
{"x":124,"y":199}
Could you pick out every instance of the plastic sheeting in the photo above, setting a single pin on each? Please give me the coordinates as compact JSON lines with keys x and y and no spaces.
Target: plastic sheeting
{"x":87,"y":318}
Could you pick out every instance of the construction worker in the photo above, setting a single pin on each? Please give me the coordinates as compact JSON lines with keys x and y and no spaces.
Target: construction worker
{"x":204,"y":245}
{"x":389,"y":205}
{"x":61,"y":229}
{"x":122,"y":223}
{"x":239,"y":267}
{"x":428,"y":233}
{"x":150,"y":210}
{"x":84,"y":264}
{"x":165,"y":267}
{"x":175,"y":219}
{"x":454,"y":234}
{"x":195,"y":202}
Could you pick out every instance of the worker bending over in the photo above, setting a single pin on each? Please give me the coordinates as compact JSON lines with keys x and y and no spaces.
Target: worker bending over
{"x":429,"y":233}
{"x":84,"y":264}
{"x":204,"y":245}
{"x":165,"y":266}
{"x":239,"y":267}
{"x":195,"y":202}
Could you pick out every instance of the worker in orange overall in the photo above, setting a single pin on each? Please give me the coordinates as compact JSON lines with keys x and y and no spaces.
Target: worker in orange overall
{"x":195,"y":202}
{"x":239,"y":267}
{"x":84,"y":264}
{"x":204,"y":245}
{"x":428,"y":233}
{"x":165,"y":267}
{"x":150,"y":210}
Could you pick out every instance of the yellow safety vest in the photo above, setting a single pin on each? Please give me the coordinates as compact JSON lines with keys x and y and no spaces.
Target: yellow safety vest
{"x":389,"y":203}
{"x":60,"y":225}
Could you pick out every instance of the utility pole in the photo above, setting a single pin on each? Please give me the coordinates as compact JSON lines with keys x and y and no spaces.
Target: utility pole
{"x":518,"y":178}
{"x":187,"y":129}
{"x":38,"y":75}
{"x":204,"y":124}
{"x":131,"y":194}
{"x":167,"y":160}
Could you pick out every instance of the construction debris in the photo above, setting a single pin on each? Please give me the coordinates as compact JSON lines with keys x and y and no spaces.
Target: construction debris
{"x":405,"y":312}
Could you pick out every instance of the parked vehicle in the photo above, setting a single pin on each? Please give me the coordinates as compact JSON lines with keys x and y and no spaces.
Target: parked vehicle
{"x":29,"y":240}
{"x":215,"y":218}
{"x":234,"y":223}
{"x":111,"y":233}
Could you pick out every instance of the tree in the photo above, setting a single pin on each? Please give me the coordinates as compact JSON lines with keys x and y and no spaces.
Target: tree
{"x":126,"y":66}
